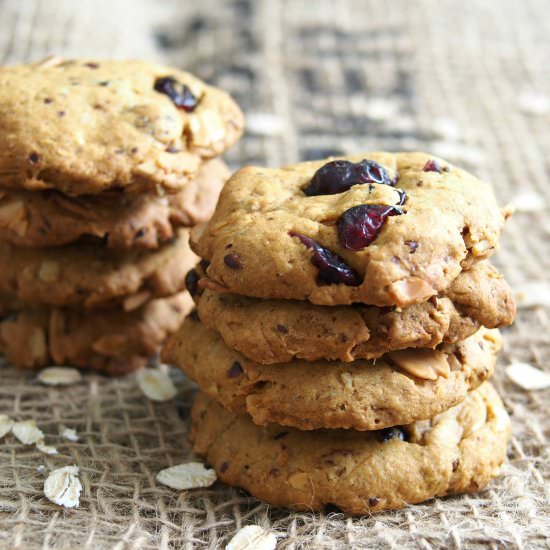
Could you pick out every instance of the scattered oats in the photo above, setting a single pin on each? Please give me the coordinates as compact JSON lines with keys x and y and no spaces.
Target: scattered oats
{"x":532,"y":294}
{"x":27,"y":432}
{"x":534,"y":103}
{"x":528,"y":201}
{"x":252,"y":537}
{"x":68,"y":433}
{"x":187,"y":476}
{"x":264,"y":124}
{"x":47,"y":449}
{"x":380,"y":108}
{"x":446,"y":128}
{"x":156,"y":384}
{"x":6,"y":424}
{"x":59,"y":376}
{"x":528,"y":377}
{"x":63,"y":487}
{"x":456,"y":152}
{"x":41,"y":469}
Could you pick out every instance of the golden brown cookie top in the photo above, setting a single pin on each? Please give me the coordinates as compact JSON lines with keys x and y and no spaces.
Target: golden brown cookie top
{"x":87,"y":126}
{"x":377,"y":228}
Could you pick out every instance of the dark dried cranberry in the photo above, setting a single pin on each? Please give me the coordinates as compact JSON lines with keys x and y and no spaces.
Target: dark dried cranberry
{"x":180,"y":94}
{"x":204,"y":264}
{"x":233,"y":260}
{"x":235,"y":370}
{"x":413,"y":246}
{"x":223,"y":467}
{"x":332,"y":268}
{"x":338,"y":176}
{"x":92,"y":65}
{"x":192,"y":282}
{"x":374,"y":501}
{"x":434,"y":166}
{"x":359,"y":225}
{"x":282,"y":329}
{"x":392,"y":433}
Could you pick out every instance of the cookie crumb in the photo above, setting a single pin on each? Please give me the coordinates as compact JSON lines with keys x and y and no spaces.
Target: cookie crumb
{"x":68,"y":433}
{"x":27,"y":432}
{"x":6,"y":424}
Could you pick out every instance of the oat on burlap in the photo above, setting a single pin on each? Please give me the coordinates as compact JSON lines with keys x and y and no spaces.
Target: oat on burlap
{"x":467,"y":80}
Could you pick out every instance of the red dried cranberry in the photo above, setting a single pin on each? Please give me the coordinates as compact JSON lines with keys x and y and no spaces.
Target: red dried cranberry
{"x":233,"y":260}
{"x":338,"y":176}
{"x":359,"y":225}
{"x":332,"y":268}
{"x":180,"y":94}
{"x":235,"y":370}
{"x":433,"y":166}
{"x":402,"y":197}
{"x":392,"y":433}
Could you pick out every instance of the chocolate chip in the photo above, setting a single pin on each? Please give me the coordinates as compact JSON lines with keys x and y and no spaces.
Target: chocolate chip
{"x":194,"y":315}
{"x":392,"y":433}
{"x":192,"y":282}
{"x":235,"y":370}
{"x":34,"y":158}
{"x":233,"y":260}
{"x":413,"y":246}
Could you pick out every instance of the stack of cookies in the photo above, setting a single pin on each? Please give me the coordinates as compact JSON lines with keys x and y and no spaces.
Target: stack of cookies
{"x":104,"y":165}
{"x":346,"y":326}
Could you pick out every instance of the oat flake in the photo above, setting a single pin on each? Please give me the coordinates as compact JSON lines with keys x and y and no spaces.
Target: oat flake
{"x":27,"y":432}
{"x":6,"y":424}
{"x":156,"y":385}
{"x":187,"y":476}
{"x":68,"y":433}
{"x":63,"y":487}
{"x":59,"y":376}
{"x":532,"y":294}
{"x":252,"y":537}
{"x":46,"y":449}
{"x":528,"y":377}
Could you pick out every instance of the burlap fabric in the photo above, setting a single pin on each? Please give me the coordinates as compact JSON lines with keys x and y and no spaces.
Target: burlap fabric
{"x":459,"y":79}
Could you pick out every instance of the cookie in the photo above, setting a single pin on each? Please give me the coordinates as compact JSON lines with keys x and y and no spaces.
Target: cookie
{"x":88,"y":126}
{"x":111,"y":341}
{"x":278,"y":331}
{"x":89,"y":275}
{"x":399,"y":388}
{"x":392,"y":230}
{"x":49,"y":218}
{"x":458,"y":451}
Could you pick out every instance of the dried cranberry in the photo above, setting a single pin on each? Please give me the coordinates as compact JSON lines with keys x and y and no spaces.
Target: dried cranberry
{"x":402,"y":197}
{"x":374,"y":501}
{"x":338,"y":176}
{"x":223,"y":467}
{"x":413,"y":246}
{"x":359,"y":225}
{"x":34,"y":158}
{"x":180,"y":94}
{"x":392,"y":433}
{"x":235,"y":370}
{"x":233,"y":260}
{"x":332,"y":268}
{"x":434,"y":166}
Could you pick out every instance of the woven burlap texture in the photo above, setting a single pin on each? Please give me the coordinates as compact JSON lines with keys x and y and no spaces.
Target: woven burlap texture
{"x":466,"y":80}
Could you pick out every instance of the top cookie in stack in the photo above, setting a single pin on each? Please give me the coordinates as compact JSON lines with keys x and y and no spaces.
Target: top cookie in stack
{"x":102,"y":166}
{"x":341,"y":297}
